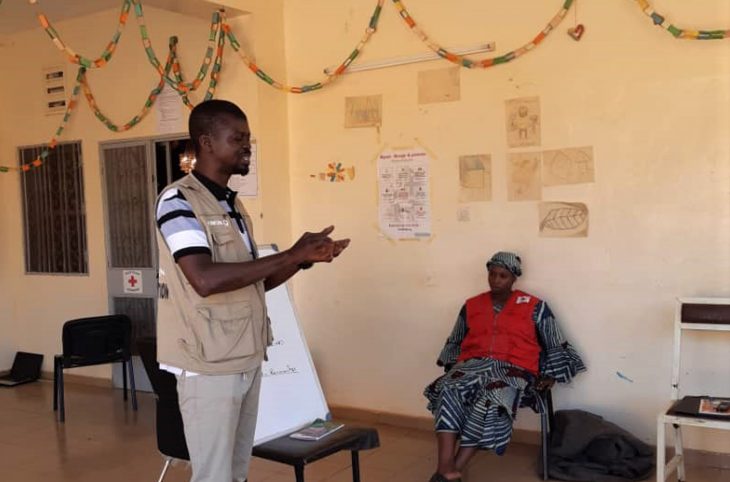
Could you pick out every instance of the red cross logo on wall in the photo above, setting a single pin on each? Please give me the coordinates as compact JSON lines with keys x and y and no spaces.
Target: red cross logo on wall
{"x":132,"y":281}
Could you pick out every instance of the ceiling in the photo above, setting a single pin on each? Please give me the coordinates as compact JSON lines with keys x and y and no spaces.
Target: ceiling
{"x":19,"y":15}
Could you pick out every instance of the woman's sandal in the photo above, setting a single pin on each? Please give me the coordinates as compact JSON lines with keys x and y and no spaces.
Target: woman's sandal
{"x":436,"y":477}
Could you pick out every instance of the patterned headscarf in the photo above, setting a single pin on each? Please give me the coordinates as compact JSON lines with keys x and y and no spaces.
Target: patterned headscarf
{"x":509,"y":261}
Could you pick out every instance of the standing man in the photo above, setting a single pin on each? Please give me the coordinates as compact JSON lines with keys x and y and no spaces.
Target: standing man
{"x":212,"y":327}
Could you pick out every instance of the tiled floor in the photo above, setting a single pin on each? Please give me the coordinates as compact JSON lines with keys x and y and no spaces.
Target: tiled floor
{"x":104,"y":440}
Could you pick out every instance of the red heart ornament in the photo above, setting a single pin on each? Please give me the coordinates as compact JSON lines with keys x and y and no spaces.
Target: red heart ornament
{"x":577,"y":31}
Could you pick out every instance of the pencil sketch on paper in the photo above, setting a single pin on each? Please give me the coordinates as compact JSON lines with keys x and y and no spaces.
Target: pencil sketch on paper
{"x":573,"y":165}
{"x":439,"y":85}
{"x":563,"y":220}
{"x":524,"y":177}
{"x":523,"y":122}
{"x":363,"y":111}
{"x":475,"y":178}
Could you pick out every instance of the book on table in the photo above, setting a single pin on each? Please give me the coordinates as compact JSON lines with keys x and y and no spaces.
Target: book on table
{"x":317,"y":430}
{"x":715,"y":406}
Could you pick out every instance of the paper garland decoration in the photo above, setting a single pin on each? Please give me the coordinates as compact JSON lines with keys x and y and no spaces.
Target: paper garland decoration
{"x":220,"y":30}
{"x":76,"y":58}
{"x":661,"y":21}
{"x":369,"y":31}
{"x":82,"y":84}
{"x":72,"y":101}
{"x":172,"y":64}
{"x":490,"y":62}
{"x":216,"y":25}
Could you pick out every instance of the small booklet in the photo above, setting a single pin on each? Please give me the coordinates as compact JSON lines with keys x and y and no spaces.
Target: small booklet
{"x":317,"y":430}
{"x":715,"y":406}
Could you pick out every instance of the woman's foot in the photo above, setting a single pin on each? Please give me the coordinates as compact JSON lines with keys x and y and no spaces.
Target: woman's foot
{"x":447,"y":477}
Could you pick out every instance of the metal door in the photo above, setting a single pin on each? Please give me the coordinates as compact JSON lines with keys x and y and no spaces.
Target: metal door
{"x":131,"y":266}
{"x":133,"y":173}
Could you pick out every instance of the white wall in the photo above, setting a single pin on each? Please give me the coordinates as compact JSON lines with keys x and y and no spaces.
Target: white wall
{"x":657,"y":112}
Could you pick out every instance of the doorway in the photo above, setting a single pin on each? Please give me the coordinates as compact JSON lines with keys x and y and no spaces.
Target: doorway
{"x":133,"y":175}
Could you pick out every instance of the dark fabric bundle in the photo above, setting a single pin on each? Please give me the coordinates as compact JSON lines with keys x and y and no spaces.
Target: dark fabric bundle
{"x":585,"y":447}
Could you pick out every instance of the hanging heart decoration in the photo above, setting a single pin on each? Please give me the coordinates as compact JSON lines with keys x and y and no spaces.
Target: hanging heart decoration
{"x":577,"y":32}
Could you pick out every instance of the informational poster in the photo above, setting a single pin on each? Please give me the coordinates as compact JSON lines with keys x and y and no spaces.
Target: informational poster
{"x":403,"y":190}
{"x":170,"y":119}
{"x":248,"y":185}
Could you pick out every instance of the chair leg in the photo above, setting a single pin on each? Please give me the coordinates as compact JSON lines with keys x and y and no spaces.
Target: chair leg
{"x":124,"y":379}
{"x":55,"y":383}
{"x":544,"y":429}
{"x":355,"y":466}
{"x":661,"y":459}
{"x":679,"y":450}
{"x":299,"y":472}
{"x":131,"y":384}
{"x":551,"y":412}
{"x":61,"y":405}
{"x":168,"y":461}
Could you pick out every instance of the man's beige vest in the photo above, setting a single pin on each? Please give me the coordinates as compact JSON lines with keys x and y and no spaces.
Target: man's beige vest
{"x":221,"y":334}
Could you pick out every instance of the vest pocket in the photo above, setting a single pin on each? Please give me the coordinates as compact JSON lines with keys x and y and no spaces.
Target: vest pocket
{"x":223,"y":332}
{"x":222,"y":237}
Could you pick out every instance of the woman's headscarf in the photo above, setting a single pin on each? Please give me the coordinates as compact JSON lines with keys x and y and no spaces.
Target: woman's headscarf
{"x":509,"y":261}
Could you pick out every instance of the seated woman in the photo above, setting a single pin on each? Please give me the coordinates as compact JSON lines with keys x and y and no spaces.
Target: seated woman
{"x":504,"y":343}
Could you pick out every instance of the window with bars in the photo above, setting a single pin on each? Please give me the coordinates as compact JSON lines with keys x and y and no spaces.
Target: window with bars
{"x":54,"y":211}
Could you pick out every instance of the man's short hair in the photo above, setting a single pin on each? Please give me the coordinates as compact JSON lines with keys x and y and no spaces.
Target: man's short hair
{"x":208,"y":116}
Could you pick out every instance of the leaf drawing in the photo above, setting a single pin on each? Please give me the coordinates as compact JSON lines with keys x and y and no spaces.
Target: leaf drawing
{"x":565,"y":218}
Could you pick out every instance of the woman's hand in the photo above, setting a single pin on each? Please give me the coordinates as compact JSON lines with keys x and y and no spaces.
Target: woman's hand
{"x":544,"y":383}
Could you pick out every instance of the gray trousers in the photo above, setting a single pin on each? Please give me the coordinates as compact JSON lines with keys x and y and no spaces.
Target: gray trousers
{"x":219,"y":414}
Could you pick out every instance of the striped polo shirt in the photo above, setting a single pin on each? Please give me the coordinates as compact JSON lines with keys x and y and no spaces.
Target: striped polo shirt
{"x":182,"y":231}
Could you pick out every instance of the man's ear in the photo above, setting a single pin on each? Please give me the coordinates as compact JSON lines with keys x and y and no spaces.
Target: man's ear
{"x":205,"y":141}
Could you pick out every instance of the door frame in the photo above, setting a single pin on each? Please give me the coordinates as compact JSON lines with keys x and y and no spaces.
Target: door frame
{"x":141,"y":379}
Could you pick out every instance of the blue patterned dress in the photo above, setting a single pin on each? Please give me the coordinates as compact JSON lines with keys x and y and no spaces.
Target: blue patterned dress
{"x":478,"y":398}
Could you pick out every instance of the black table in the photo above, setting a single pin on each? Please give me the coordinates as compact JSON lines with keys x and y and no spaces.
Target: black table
{"x":299,"y":453}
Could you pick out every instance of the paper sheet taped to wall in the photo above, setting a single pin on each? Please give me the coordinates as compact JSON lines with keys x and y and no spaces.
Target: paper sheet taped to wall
{"x":563,"y":220}
{"x":524,"y":177}
{"x":475,"y":178}
{"x":571,"y":165}
{"x":403,"y":190}
{"x":523,"y":122}
{"x":248,"y":185}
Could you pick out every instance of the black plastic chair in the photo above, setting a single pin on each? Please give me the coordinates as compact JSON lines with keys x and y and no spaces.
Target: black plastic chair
{"x":541,"y":402}
{"x":169,"y":423}
{"x":93,"y":341}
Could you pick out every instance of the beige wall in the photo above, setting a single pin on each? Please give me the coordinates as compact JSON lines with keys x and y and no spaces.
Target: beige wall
{"x":6,"y":314}
{"x":656,"y":111}
{"x":34,"y":307}
{"x":271,"y":129}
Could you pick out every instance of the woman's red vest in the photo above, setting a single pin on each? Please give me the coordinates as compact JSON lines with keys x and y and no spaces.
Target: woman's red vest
{"x":509,"y":336}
